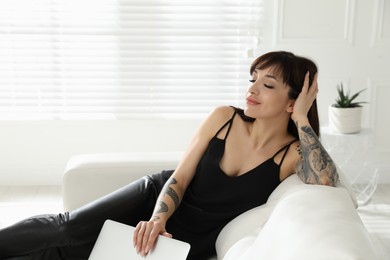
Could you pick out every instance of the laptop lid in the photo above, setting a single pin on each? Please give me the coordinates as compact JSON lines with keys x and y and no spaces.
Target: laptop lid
{"x":115,"y":241}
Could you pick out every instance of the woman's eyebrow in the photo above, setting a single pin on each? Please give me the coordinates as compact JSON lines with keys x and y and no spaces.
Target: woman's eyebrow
{"x":271,"y":76}
{"x":267,"y":75}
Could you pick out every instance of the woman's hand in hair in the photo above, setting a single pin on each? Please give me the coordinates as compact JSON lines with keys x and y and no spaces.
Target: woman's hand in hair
{"x":315,"y":166}
{"x":305,"y":99}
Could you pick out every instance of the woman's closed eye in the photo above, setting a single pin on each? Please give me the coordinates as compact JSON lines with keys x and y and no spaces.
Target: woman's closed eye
{"x":265,"y":85}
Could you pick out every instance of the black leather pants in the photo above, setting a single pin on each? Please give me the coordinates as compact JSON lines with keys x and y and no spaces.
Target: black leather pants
{"x":71,"y":235}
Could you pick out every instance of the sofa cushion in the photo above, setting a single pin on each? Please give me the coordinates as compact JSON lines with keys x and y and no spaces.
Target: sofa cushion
{"x":241,"y":227}
{"x":313,"y":222}
{"x":250,"y":223}
{"x":252,"y":220}
{"x":91,"y":176}
{"x":293,"y":182}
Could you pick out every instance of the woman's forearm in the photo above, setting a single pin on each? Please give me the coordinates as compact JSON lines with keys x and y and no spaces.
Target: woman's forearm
{"x":167,"y":202}
{"x":315,"y":166}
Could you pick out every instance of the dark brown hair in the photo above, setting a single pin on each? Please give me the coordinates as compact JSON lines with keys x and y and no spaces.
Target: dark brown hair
{"x":292,"y":69}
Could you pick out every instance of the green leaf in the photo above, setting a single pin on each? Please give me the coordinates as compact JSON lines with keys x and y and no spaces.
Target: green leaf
{"x":344,"y":99}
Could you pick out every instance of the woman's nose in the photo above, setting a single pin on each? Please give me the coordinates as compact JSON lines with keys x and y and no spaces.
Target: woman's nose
{"x":252,"y":89}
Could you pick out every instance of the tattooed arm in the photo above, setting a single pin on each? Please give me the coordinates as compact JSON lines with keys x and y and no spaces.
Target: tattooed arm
{"x":146,"y":232}
{"x":315,"y":165}
{"x":168,"y":201}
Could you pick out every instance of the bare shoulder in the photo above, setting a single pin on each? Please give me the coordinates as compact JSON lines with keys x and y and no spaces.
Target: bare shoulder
{"x":212,"y":123}
{"x":208,"y":128}
{"x":217,"y":117}
{"x":222,"y":112}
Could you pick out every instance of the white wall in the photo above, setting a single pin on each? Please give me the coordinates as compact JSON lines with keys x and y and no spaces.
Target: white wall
{"x":348,"y":39}
{"x":350,"y":42}
{"x":35,"y":153}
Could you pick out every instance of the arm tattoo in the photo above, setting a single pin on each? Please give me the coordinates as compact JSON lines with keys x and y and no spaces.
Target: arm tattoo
{"x":163,"y":207}
{"x":315,"y":166}
{"x":155,"y":218}
{"x":172,"y":193}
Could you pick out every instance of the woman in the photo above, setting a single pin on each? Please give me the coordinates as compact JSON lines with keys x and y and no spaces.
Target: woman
{"x":233,"y":163}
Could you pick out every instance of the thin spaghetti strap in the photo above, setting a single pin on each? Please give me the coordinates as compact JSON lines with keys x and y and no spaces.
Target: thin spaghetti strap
{"x":230,"y":125}
{"x":229,"y":122}
{"x":286,"y":147}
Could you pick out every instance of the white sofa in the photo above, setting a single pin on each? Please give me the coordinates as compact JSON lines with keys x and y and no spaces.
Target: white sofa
{"x":299,"y":221}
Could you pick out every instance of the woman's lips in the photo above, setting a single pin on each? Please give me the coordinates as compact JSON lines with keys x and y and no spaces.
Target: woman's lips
{"x":251,"y":101}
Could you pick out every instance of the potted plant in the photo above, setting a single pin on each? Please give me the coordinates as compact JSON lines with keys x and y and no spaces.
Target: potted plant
{"x":345,"y":115}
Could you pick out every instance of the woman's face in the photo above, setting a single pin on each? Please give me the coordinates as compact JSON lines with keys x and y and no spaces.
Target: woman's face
{"x":267,"y":95}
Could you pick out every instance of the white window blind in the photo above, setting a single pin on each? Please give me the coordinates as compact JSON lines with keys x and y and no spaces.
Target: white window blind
{"x":107,"y":59}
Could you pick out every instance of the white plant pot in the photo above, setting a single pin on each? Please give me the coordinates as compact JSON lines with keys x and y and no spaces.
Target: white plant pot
{"x":345,"y":120}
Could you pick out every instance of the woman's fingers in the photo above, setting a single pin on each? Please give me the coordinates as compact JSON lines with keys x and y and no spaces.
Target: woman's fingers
{"x":305,"y":86}
{"x":166,"y":234}
{"x":146,"y":234}
{"x":149,"y":238}
{"x":306,"y":98}
{"x":139,"y":235}
{"x":144,"y":240}
{"x":314,"y":85}
{"x":312,"y":90}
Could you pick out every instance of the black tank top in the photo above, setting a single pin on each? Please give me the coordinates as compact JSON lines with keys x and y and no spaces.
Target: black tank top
{"x":214,"y":198}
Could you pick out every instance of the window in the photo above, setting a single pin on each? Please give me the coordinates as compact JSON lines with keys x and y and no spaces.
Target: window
{"x":107,"y":59}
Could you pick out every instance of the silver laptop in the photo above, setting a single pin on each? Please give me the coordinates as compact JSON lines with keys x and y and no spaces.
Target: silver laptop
{"x":115,"y":241}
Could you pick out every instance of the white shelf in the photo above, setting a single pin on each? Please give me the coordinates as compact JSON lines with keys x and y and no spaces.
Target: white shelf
{"x":350,"y":152}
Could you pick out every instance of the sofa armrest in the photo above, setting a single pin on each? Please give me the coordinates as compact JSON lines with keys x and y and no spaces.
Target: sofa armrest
{"x":307,"y":222}
{"x":91,"y":176}
{"x":244,"y":225}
